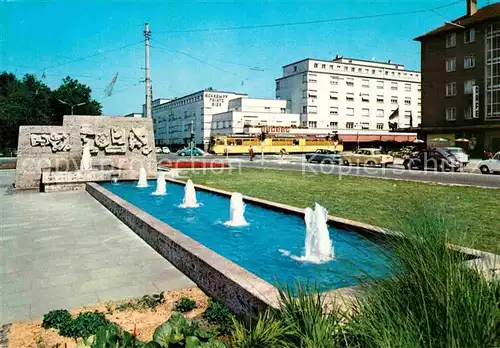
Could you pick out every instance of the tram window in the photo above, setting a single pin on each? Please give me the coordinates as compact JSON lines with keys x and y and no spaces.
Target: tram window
{"x":230,"y":142}
{"x":239,"y":142}
{"x":296,"y":142}
{"x":219,"y":142}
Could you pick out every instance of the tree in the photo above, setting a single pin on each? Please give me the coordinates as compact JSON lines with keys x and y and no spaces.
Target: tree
{"x":29,"y":101}
{"x":24,"y":102}
{"x":73,"y":92}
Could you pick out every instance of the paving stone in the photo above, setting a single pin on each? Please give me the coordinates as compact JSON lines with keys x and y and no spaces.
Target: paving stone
{"x":65,"y":250}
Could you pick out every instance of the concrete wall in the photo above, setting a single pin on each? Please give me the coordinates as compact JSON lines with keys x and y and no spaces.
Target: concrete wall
{"x":121,"y":142}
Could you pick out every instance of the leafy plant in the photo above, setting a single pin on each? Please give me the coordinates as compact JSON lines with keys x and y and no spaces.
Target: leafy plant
{"x":217,"y":313}
{"x":56,"y":319}
{"x":145,"y":302}
{"x":185,"y":304}
{"x":180,"y":331}
{"x":84,"y":325}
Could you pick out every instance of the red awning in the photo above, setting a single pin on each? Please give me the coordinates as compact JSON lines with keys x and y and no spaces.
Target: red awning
{"x":364,"y":138}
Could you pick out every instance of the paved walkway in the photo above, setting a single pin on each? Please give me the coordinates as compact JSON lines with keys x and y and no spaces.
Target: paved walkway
{"x":65,"y":250}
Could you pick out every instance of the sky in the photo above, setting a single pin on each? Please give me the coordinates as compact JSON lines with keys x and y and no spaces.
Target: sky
{"x":94,"y":40}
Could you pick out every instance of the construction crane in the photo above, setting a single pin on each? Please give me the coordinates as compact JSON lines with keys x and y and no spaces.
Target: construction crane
{"x":109,"y":89}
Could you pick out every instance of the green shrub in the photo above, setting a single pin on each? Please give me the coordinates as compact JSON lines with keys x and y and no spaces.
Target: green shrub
{"x":433,"y":299}
{"x":84,"y":325}
{"x":178,"y":331}
{"x":145,"y":302}
{"x":56,"y":319}
{"x":218,"y":314}
{"x":185,"y":304}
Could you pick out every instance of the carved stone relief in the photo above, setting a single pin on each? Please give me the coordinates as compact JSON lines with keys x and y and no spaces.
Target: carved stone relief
{"x":58,"y":142}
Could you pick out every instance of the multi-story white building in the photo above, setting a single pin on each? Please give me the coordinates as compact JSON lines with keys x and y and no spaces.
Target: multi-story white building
{"x":175,"y":120}
{"x":347,"y":93}
{"x":245,"y":113}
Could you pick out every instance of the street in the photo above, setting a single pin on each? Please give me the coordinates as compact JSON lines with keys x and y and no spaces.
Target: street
{"x":470,"y":176}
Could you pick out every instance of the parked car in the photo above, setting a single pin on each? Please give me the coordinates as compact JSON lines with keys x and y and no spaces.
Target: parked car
{"x":491,"y":165}
{"x":367,"y":156}
{"x":187,"y":152}
{"x":158,"y":150}
{"x":459,"y":153}
{"x":324,"y":156}
{"x":434,"y":159}
{"x":165,"y":149}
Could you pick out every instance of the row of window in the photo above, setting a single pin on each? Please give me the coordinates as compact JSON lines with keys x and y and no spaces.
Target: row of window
{"x":469,"y":36}
{"x":451,"y":113}
{"x":349,"y":82}
{"x":365,"y":98}
{"x":348,"y":125}
{"x":361,"y":70}
{"x":451,"y":88}
{"x":469,"y":62}
{"x":365,"y":112}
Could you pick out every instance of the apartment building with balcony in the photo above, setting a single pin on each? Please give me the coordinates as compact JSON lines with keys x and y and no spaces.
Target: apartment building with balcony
{"x":348,"y":93}
{"x":461,"y":80}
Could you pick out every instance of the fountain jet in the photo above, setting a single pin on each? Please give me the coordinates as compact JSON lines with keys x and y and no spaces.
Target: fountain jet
{"x":189,"y":196}
{"x":86,"y":162}
{"x":318,"y":246}
{"x":236,"y":211}
{"x":161,"y":185}
{"x":143,"y":178}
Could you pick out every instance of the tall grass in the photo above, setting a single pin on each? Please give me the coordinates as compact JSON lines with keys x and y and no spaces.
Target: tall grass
{"x":432,"y":300}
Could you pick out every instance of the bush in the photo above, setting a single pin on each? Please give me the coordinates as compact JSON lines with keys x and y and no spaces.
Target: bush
{"x":185,"y":304}
{"x":56,"y":319}
{"x":218,"y":314}
{"x":84,"y":325}
{"x":145,"y":302}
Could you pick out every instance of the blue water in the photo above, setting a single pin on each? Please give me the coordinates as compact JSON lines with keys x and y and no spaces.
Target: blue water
{"x":257,"y":246}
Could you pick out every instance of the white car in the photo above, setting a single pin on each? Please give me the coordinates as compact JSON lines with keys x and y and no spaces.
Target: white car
{"x":491,"y":165}
{"x":459,"y":154}
{"x":165,"y":149}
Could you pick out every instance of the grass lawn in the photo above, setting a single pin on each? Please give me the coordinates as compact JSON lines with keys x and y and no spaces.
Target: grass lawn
{"x":380,"y":202}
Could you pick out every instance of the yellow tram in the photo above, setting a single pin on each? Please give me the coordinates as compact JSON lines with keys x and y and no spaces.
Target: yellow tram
{"x":293,"y":143}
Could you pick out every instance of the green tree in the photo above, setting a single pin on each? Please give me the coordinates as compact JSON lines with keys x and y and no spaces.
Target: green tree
{"x":72,"y":92}
{"x":22,"y":102}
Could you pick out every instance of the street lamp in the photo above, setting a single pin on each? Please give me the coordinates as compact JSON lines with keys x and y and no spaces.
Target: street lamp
{"x":71,"y":105}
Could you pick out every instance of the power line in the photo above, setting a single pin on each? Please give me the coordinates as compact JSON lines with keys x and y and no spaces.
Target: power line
{"x":168,"y":49}
{"x":92,"y":55}
{"x":250,"y":67}
{"x":310,"y":22}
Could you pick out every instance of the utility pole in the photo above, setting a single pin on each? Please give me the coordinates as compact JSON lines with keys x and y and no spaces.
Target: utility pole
{"x":191,"y":139}
{"x":147,"y":80}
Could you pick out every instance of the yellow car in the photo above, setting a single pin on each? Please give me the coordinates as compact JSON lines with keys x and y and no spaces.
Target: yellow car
{"x":371,"y":157}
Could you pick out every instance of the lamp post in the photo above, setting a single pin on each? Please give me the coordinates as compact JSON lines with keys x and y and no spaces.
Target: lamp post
{"x":70,"y":105}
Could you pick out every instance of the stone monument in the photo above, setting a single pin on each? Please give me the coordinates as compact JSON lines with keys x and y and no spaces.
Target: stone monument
{"x":50,"y":157}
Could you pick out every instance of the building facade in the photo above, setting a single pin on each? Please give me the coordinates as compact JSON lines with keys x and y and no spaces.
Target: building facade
{"x":246,"y":113}
{"x":461,"y":80}
{"x":346,"y":93}
{"x":175,"y":120}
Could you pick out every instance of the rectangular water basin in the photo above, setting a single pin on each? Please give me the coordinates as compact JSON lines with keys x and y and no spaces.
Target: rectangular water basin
{"x":267,"y":245}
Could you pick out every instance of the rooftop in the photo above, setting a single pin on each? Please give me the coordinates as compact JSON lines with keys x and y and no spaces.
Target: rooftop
{"x":347,"y":60}
{"x":482,"y":14}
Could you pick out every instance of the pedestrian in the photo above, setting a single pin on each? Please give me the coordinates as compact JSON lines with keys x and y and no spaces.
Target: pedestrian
{"x":251,"y":152}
